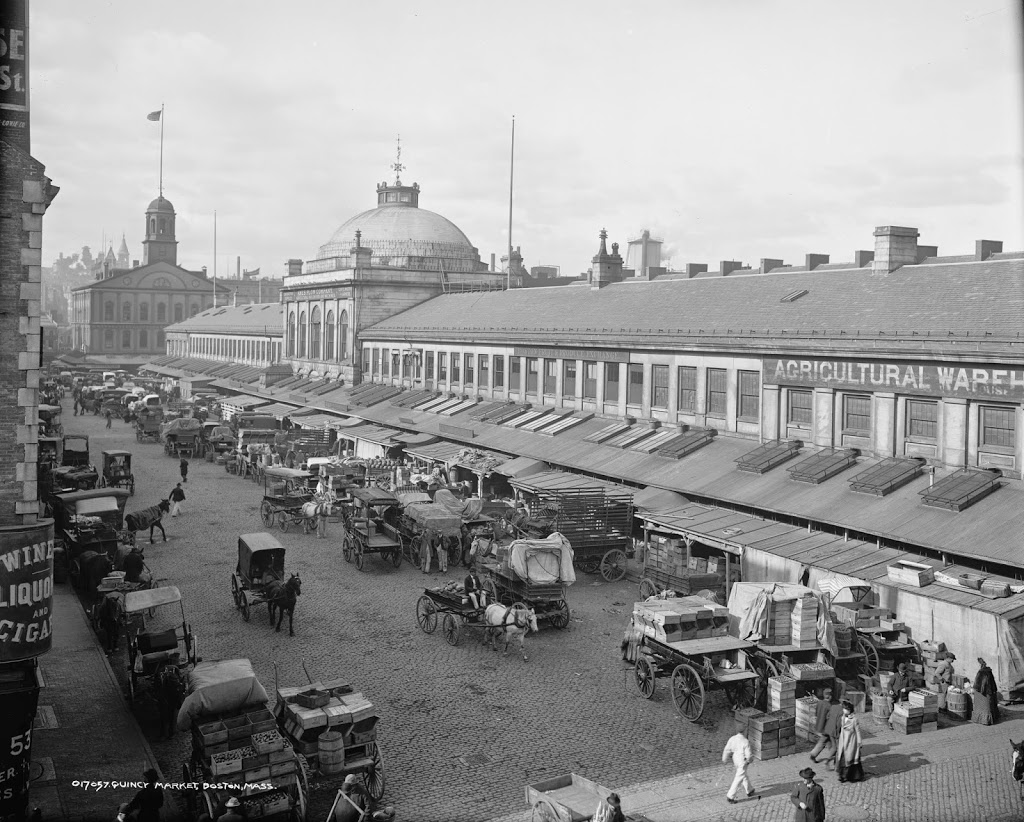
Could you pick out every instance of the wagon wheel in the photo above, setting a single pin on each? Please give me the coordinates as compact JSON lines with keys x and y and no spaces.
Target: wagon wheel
{"x":299,"y":811}
{"x":452,"y":628}
{"x":346,"y":547}
{"x":282,"y":520}
{"x":559,"y":614}
{"x":491,"y":589}
{"x":869,"y":663}
{"x":267,"y":513}
{"x":131,"y":485}
{"x":426,"y":614}
{"x":190,"y":796}
{"x":414,"y":549}
{"x":303,"y":780}
{"x":235,"y":593}
{"x":544,"y":811}
{"x":644,"y":674}
{"x":454,"y":548}
{"x":396,"y":555}
{"x":613,"y":565}
{"x":648,"y":588}
{"x":373,"y":777}
{"x":687,"y":692}
{"x":244,"y":605}
{"x":589,"y":565}
{"x":209,"y":805}
{"x":357,"y":554}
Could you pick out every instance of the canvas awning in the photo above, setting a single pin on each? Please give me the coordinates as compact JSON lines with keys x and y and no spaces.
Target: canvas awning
{"x":521,"y":467}
{"x":657,"y":499}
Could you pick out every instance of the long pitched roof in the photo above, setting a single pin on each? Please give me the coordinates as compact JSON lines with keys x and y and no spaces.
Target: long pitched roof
{"x":266,"y":318}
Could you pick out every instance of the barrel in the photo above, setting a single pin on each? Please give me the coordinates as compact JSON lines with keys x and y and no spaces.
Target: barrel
{"x":331,"y":747}
{"x":885,"y":679}
{"x":957,"y":703}
{"x":881,"y":707}
{"x":844,"y":637}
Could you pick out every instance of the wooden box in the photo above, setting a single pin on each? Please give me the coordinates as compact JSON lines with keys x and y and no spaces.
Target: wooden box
{"x":254,"y":761}
{"x":212,"y":733}
{"x":911,"y":573}
{"x":282,"y":768}
{"x":312,"y":699}
{"x":283,"y":755}
{"x":238,"y":727}
{"x":258,"y":774}
{"x":261,"y":721}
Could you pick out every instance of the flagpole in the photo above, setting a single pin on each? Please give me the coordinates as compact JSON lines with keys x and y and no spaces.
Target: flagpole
{"x":511,"y":169}
{"x":161,"y":149}
{"x":215,"y":258}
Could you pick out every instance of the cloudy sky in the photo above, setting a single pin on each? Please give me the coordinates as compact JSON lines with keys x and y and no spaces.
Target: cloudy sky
{"x":733,"y":130}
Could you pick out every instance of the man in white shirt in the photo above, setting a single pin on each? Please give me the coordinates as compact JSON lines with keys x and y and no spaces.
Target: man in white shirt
{"x":739,"y":749}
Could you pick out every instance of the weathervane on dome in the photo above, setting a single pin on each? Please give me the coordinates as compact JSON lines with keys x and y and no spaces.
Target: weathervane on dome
{"x":397,"y":166}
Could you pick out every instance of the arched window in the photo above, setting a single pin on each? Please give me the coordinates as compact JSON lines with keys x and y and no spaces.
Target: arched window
{"x":329,"y":336}
{"x":161,"y":312}
{"x":314,"y":333}
{"x":291,"y":334}
{"x":193,"y":310}
{"x":108,"y":312}
{"x":163,"y":225}
{"x":161,"y":339}
{"x":126,"y":312}
{"x":179,"y":312}
{"x":152,"y":225}
{"x":108,"y":338}
{"x":144,"y":313}
{"x":126,"y":339}
{"x":343,"y":337}
{"x":143,"y":338}
{"x":302,"y":334}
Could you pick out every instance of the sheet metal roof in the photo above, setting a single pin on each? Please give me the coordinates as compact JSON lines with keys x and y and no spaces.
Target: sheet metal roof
{"x":265,"y":318}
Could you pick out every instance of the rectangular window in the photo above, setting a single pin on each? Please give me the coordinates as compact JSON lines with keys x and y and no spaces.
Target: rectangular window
{"x":589,"y":380}
{"x":376,"y":361}
{"x":429,"y":366}
{"x":750,"y":395}
{"x":687,"y":388}
{"x":531,"y":375}
{"x":635,"y":389}
{"x":469,"y":368}
{"x":923,"y":419}
{"x":569,"y":379}
{"x":442,"y":366}
{"x":499,"y":371}
{"x":857,"y":414}
{"x":611,"y":382}
{"x":366,"y":361}
{"x":659,"y":386}
{"x":998,"y":427}
{"x":456,"y":366}
{"x":385,"y":362}
{"x":550,"y":376}
{"x":417,"y":363}
{"x":716,"y":391}
{"x":515,"y":376}
{"x":801,"y":408}
{"x":484,"y":371}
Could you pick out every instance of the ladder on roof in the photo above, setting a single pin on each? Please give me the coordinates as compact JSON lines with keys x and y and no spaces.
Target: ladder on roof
{"x":446,"y":286}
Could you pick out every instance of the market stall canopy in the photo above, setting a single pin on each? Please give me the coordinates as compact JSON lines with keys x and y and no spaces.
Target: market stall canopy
{"x":287,"y":473}
{"x":280,"y":409}
{"x":437,"y":452}
{"x":750,"y":604}
{"x":410,"y":438}
{"x":135,"y":601}
{"x":832,"y":583}
{"x":521,"y":467}
{"x":370,"y":433}
{"x":218,"y":687}
{"x":543,"y":560}
{"x":347,"y":422}
{"x":558,"y":481}
{"x":479,"y":460}
{"x":658,"y":499}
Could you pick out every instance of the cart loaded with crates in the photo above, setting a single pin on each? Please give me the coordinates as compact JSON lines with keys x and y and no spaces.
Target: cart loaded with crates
{"x":147,"y":424}
{"x":533,"y":573}
{"x":236,"y":743}
{"x":424,"y":521}
{"x":285,"y":493}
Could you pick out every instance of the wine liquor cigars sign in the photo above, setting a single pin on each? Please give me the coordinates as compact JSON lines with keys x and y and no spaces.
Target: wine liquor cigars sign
{"x":26,"y":591}
{"x":899,"y":377}
{"x":14,"y":111}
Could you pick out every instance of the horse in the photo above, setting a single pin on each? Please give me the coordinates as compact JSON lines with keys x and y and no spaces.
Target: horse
{"x":90,"y":567}
{"x":1017,"y":749}
{"x":513,"y":622}
{"x":109,"y":619}
{"x":149,"y":518}
{"x":170,"y":693}
{"x":283,"y":595}
{"x":315,"y":514}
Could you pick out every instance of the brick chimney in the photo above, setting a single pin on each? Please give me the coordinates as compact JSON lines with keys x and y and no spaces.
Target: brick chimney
{"x":926,"y":251}
{"x":895,"y":247}
{"x":360,"y":253}
{"x":862,"y":258}
{"x":812,"y":261}
{"x":607,"y":267}
{"x":983,"y":249}
{"x":729,"y":266}
{"x":693,"y":269}
{"x":768,"y":265}
{"x":294,"y":267}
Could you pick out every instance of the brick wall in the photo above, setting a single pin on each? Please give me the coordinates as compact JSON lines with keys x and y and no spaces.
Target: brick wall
{"x":25,"y":193}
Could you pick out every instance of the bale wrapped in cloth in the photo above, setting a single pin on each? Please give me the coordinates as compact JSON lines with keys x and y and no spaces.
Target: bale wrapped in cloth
{"x":463,"y":508}
{"x":220,"y":686}
{"x":543,"y":560}
{"x":433,"y":517}
{"x":183,"y":425}
{"x":750,"y":605}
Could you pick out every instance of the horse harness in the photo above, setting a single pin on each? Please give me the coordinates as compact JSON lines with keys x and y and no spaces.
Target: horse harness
{"x":516,"y":620}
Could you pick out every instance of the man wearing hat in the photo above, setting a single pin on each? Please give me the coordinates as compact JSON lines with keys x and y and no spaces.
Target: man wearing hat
{"x":899,"y":688}
{"x":358,"y":801}
{"x":146,"y":804}
{"x":808,"y":799}
{"x":233,"y":812}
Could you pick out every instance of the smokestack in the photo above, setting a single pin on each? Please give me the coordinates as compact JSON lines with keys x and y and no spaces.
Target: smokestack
{"x":861,"y":259}
{"x":238,"y":267}
{"x":693,"y":269}
{"x":814,"y":260}
{"x":769,"y":265}
{"x":983,"y":249}
{"x":895,"y":247}
{"x":294,"y":267}
{"x":729,"y":266}
{"x":492,"y":263}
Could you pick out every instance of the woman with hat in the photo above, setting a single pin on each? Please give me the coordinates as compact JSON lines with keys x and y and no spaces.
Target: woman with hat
{"x":808,"y":799}
{"x":146,"y":804}
{"x":985,"y":701}
{"x":848,"y":744}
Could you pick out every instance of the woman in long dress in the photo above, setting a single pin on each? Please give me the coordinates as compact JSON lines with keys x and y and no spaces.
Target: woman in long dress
{"x":848,"y":747}
{"x":985,"y":708}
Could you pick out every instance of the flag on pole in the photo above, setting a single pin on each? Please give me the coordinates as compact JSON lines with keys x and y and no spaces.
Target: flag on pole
{"x":153,"y":115}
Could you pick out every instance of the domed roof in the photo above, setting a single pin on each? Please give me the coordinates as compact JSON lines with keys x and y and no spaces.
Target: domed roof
{"x":161,"y":203}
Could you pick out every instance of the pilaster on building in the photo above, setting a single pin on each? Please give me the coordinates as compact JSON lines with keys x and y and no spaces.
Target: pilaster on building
{"x":25,"y":194}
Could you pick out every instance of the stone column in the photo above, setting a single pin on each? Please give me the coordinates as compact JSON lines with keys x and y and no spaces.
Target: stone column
{"x":771,"y":428}
{"x":883,"y":439}
{"x":953,"y":447}
{"x":824,"y":417}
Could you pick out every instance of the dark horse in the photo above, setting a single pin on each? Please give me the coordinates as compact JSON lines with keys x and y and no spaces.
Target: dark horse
{"x":149,"y":518}
{"x":170,"y":693}
{"x":283,"y":595}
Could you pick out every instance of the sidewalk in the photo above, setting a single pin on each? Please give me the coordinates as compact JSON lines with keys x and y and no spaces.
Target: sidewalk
{"x":960,"y":773}
{"x":84,"y":728}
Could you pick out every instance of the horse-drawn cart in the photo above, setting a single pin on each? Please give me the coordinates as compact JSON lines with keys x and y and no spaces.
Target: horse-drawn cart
{"x":370,"y":527}
{"x":181,"y":436}
{"x":260,"y":562}
{"x":49,"y":421}
{"x":567,"y":798}
{"x":147,"y":424}
{"x":427,"y":523}
{"x":164,"y":641}
{"x":534,"y":572}
{"x":286,"y":505}
{"x":455,"y":610}
{"x":117,"y":471}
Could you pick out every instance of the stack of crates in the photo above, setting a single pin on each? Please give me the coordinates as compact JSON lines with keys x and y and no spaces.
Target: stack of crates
{"x":782,"y":694}
{"x":743,"y":716}
{"x":806,"y":708}
{"x":908,"y":719}
{"x":787,"y":731}
{"x":929,"y":702}
{"x":780,"y":628}
{"x":929,"y":652}
{"x":804,"y":622}
{"x":763,"y":735}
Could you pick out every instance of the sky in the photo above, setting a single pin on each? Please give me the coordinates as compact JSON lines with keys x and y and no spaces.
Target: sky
{"x":732,"y":130}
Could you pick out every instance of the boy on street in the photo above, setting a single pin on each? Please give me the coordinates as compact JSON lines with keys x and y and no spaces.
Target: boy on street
{"x":184,"y":470}
{"x":177,"y":497}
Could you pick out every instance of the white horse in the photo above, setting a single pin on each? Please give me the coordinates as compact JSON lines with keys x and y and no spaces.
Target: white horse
{"x":513,"y":621}
{"x":315,"y":514}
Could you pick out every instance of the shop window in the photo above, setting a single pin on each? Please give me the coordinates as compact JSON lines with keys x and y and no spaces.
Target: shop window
{"x":301,"y":335}
{"x":998,"y":427}
{"x":611,"y":381}
{"x":922,"y":419}
{"x":385,"y":362}
{"x":687,"y":388}
{"x":857,"y":415}
{"x":144,"y":313}
{"x":569,"y":379}
{"x":315,"y":327}
{"x":343,"y":337}
{"x":469,"y":369}
{"x":329,"y":336}
{"x":750,"y":395}
{"x":484,"y":371}
{"x":108,"y":313}
{"x":635,"y":386}
{"x":143,"y":338}
{"x":407,"y":358}
{"x":291,"y":334}
{"x":659,"y":386}
{"x":108,"y":338}
{"x":550,"y":376}
{"x":589,"y":380}
{"x":800,"y":408}
{"x":442,"y":366}
{"x":515,"y":375}
{"x":126,"y":312}
{"x":499,"y":371}
{"x":417,"y":363}
{"x":532,"y":367}
{"x":429,"y":365}
{"x":717,"y":392}
{"x":456,"y":365}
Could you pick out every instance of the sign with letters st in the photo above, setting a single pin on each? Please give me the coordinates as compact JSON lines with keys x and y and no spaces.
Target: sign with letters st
{"x":14,"y":115}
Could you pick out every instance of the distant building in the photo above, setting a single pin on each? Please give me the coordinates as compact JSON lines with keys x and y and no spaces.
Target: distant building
{"x":243,"y":334}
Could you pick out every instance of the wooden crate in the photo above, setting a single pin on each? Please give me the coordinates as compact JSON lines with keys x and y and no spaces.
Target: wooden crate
{"x":911,"y":573}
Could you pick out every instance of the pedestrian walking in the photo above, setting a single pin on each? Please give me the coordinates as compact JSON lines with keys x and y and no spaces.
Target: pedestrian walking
{"x":109,"y":418}
{"x":442,"y":554}
{"x":184,"y":469}
{"x":146,"y":804}
{"x":177,"y":497}
{"x":985,"y":700}
{"x":848,"y":747}
{"x":821,"y":709}
{"x":808,"y":798}
{"x":738,"y":749}
{"x":609,"y":810}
